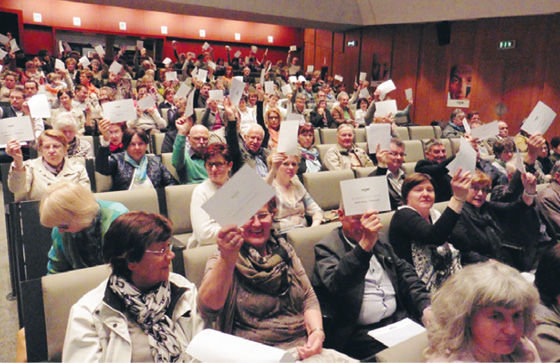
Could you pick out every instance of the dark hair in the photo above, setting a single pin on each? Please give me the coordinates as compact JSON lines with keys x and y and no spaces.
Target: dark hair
{"x":555,"y":141}
{"x":306,"y":127}
{"x":503,"y":145}
{"x":64,"y":91}
{"x":471,"y":114}
{"x":130,"y":235}
{"x":362,"y":100}
{"x":129,"y":134}
{"x":549,"y":266}
{"x":217,"y":149}
{"x":411,"y":181}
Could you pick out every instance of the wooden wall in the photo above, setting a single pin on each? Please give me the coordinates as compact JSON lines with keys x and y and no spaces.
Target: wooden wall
{"x":517,"y":78}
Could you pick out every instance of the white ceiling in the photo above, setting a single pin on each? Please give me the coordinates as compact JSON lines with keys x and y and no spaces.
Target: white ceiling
{"x":339,"y":15}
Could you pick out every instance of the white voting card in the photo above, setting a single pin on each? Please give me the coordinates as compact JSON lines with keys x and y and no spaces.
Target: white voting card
{"x":396,"y":333}
{"x":378,"y":134}
{"x":233,"y":349}
{"x":384,"y":108}
{"x":292,"y":79}
{"x":408,"y":94}
{"x":39,"y":106}
{"x":310,"y":68}
{"x":115,"y":67}
{"x":216,"y":94}
{"x":363,"y":76}
{"x":166,"y":61}
{"x":16,"y":128}
{"x":84,"y":61}
{"x":363,"y":194}
{"x":201,"y":75}
{"x":236,"y":91}
{"x":58,"y":64}
{"x":386,"y":87}
{"x":205,"y":46}
{"x":466,"y":126}
{"x":261,"y":80}
{"x":254,"y":48}
{"x":182,"y":91}
{"x":120,"y":110}
{"x":237,"y":54}
{"x":486,"y":131}
{"x":539,"y":119}
{"x":269,"y":87}
{"x":3,"y":53}
{"x":4,"y":39}
{"x":171,"y":76}
{"x":139,"y":44}
{"x":14,"y":45}
{"x":189,"y":109}
{"x":364,"y":93}
{"x":146,"y":102}
{"x":286,"y":89}
{"x":99,"y":49}
{"x":293,"y":48}
{"x":239,"y":199}
{"x":338,"y":77}
{"x":465,"y":158}
{"x":212,"y":65}
{"x":288,"y":137}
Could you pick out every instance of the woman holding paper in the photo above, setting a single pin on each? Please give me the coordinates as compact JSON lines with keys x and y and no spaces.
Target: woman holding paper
{"x":310,"y":162}
{"x":65,"y":99}
{"x":484,"y":313}
{"x":507,"y":232}
{"x":292,"y":200}
{"x":255,"y":287}
{"x":419,"y":233}
{"x":272,"y":120}
{"x":142,"y":312}
{"x":29,"y":179}
{"x":132,"y":168}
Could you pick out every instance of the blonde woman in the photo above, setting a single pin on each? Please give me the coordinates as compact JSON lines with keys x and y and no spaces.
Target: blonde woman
{"x":79,"y":222}
{"x":483,"y":313}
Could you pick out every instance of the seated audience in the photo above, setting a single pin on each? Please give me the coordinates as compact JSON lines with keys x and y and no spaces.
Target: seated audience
{"x":213,"y":118}
{"x":217,"y":161}
{"x":455,"y":127}
{"x":341,"y":113}
{"x":272,"y":120}
{"x":292,"y":200}
{"x":142,"y":312}
{"x":507,"y":232}
{"x":65,"y":99}
{"x":189,"y":163}
{"x":555,"y":146}
{"x":309,"y":162}
{"x":132,"y":168}
{"x":362,"y":285}
{"x":547,"y":332}
{"x":320,"y":116}
{"x":251,"y":269}
{"x":29,"y":179}
{"x":67,"y":124}
{"x":419,"y":233}
{"x":112,"y":134}
{"x":173,"y":115}
{"x":345,"y":154}
{"x":503,"y":152}
{"x":548,"y":202}
{"x":483,"y":313}
{"x":389,"y":163}
{"x":78,"y":223}
{"x":148,"y":120}
{"x":544,"y":160}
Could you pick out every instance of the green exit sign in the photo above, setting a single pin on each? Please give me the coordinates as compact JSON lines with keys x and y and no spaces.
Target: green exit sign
{"x":506,"y":44}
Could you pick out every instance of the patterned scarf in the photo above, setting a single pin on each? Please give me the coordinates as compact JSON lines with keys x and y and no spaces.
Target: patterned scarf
{"x":141,"y":168}
{"x":148,"y":310}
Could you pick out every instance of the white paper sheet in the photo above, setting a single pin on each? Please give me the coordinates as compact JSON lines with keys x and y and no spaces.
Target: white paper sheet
{"x":486,"y":131}
{"x":384,"y":108}
{"x":408,"y":94}
{"x":465,"y":158}
{"x":216,"y":94}
{"x":301,"y":79}
{"x":466,"y":126}
{"x":204,"y":348}
{"x":139,"y":44}
{"x":4,"y":39}
{"x":310,"y":68}
{"x":236,"y":91}
{"x":378,"y":134}
{"x":295,"y":117}
{"x":396,"y":333}
{"x":182,"y":91}
{"x":238,"y":78}
{"x":338,"y":77}
{"x":239,"y":199}
{"x":363,"y":76}
{"x":288,"y":137}
{"x":171,"y":76}
{"x":261,"y":80}
{"x":286,"y":89}
{"x":39,"y":106}
{"x":269,"y":87}
{"x":201,"y":75}
{"x":166,"y":61}
{"x":146,"y":103}
{"x":84,"y":61}
{"x":386,"y":87}
{"x":205,"y":46}
{"x":364,"y":93}
{"x":120,"y":110}
{"x":293,"y":48}
{"x":115,"y":67}
{"x":189,"y":109}
{"x":16,"y":128}
{"x":3,"y":53}
{"x":539,"y":119}
{"x":212,"y":65}
{"x":67,"y":47}
{"x":14,"y":45}
{"x":292,"y":79}
{"x":99,"y":49}
{"x":237,"y":54}
{"x":363,"y":194}
{"x":58,"y":64}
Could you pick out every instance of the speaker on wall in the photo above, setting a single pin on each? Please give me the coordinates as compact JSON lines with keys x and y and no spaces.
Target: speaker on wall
{"x":443,"y":32}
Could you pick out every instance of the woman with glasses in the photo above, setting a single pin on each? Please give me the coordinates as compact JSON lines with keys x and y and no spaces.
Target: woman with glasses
{"x":142,"y":312}
{"x":255,"y":287}
{"x":309,"y":162}
{"x":217,"y":161}
{"x":272,"y":120}
{"x":507,"y":232}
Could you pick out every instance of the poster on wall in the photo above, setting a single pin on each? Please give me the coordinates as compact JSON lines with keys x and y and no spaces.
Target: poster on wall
{"x":459,"y":86}
{"x":380,"y":70}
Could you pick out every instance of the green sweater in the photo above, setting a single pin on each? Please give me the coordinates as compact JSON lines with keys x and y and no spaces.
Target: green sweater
{"x":190,"y":170}
{"x":71,"y":251}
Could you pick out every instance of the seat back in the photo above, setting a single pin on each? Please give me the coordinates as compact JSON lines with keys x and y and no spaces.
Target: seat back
{"x":409,"y":167}
{"x":328,"y":136}
{"x":455,"y":142}
{"x":402,"y":133}
{"x":166,"y":161}
{"x":178,"y":199}
{"x":360,"y":135}
{"x":421,"y":132}
{"x":157,"y":142}
{"x":437,"y":131}
{"x":103,"y":183}
{"x":195,"y":262}
{"x":304,"y":241}
{"x":408,"y":351}
{"x":135,"y":199}
{"x":414,"y":150}
{"x":364,"y":172}
{"x":323,"y":148}
{"x":324,"y":186}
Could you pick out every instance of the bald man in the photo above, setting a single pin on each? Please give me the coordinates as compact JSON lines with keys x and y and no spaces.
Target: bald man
{"x":189,"y":162}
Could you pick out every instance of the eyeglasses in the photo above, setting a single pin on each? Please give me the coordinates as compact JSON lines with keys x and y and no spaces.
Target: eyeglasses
{"x":273,"y":117}
{"x":160,"y":252}
{"x":477,"y":188}
{"x":395,"y":154}
{"x":261,"y":216}
{"x":217,"y":164}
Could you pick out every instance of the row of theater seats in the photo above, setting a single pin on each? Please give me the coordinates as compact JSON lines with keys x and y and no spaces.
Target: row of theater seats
{"x":47,"y":301}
